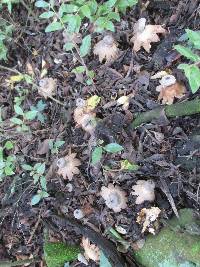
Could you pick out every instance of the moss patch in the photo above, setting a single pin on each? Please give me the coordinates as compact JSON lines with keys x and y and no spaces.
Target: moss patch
{"x":174,"y":246}
{"x":56,"y":254}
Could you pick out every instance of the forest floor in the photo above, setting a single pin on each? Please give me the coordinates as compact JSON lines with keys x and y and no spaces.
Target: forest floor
{"x":155,"y":147}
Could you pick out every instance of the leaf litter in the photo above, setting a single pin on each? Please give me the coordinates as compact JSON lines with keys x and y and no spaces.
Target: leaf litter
{"x":87,"y":182}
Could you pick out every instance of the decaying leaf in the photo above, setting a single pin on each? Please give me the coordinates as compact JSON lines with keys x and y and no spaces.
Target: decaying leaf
{"x":124,"y":101}
{"x":144,"y":190}
{"x":47,"y":87}
{"x":91,"y":251}
{"x":147,"y":217}
{"x":29,"y":69}
{"x":159,"y":75}
{"x":68,"y":166}
{"x":169,"y":88}
{"x":144,"y":35}
{"x":114,"y":197}
{"x":84,"y":114}
{"x":106,"y":49}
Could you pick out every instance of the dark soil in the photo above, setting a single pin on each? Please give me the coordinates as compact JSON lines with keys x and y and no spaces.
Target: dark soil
{"x":23,"y":225}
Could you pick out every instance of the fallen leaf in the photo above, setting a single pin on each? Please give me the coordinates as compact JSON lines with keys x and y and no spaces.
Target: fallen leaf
{"x":44,"y":69}
{"x":106,"y":49}
{"x":47,"y":87}
{"x":144,"y":35}
{"x":114,"y":197}
{"x":29,"y":69}
{"x":159,"y":75}
{"x":91,"y":251}
{"x":68,"y":166}
{"x":43,"y":147}
{"x":93,"y":101}
{"x":168,"y":94}
{"x":124,"y":101}
{"x":144,"y":190}
{"x":147,"y":217}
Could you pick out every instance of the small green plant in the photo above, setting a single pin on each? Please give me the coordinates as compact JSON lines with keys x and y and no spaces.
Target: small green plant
{"x":5,"y":36}
{"x":54,"y":146}
{"x":191,"y":52}
{"x":7,"y":163}
{"x":21,"y":117}
{"x":37,"y":172}
{"x":40,"y":106}
{"x":100,"y":149}
{"x":70,"y":17}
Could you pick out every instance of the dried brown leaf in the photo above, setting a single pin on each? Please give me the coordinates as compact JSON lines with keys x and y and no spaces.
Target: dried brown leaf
{"x":144,"y":35}
{"x":147,"y":217}
{"x":68,"y":166}
{"x":91,"y":251}
{"x":106,"y":49}
{"x":168,"y":93}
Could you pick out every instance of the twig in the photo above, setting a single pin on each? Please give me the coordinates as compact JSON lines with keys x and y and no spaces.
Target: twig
{"x":17,"y":263}
{"x":176,"y":110}
{"x":11,"y":70}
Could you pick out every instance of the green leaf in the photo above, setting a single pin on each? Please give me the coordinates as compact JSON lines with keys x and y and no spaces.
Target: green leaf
{"x":16,"y":121}
{"x":126,"y":165}
{"x":44,"y":194}
{"x":86,"y":11}
{"x":35,"y":199}
{"x":110,"y":26}
{"x":100,"y":23}
{"x":27,"y":167}
{"x":89,"y":81}
{"x":91,"y":74}
{"x":30,"y":115}
{"x":194,"y":37}
{"x":192,"y":73}
{"x":43,"y":183}
{"x":9,"y":145}
{"x":68,"y":46}
{"x":47,"y":15}
{"x":97,"y":155}
{"x":41,"y":3}
{"x":110,"y":3}
{"x":18,"y":110}
{"x":93,"y":6}
{"x":79,"y":69}
{"x":8,"y":170}
{"x":113,"y":148}
{"x":59,"y":143}
{"x":86,"y":45}
{"x":104,"y":262}
{"x":41,"y":105}
{"x":67,"y":8}
{"x":54,"y":26}
{"x":187,"y":52}
{"x":36,"y":178}
{"x":74,"y":23}
{"x":114,"y":16}
{"x":40,"y":168}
